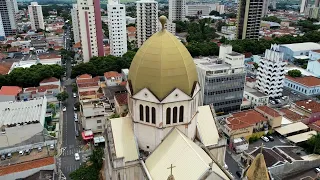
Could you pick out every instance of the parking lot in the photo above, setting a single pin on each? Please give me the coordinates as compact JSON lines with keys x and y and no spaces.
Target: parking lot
{"x":305,"y":175}
{"x":17,"y":158}
{"x":277,"y":142}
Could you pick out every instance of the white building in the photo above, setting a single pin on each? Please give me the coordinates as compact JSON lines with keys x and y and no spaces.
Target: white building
{"x":303,"y":5}
{"x":255,"y":97}
{"x":90,"y":28}
{"x":177,"y":10}
{"x":170,"y":26}
{"x":75,"y":23}
{"x":93,"y":115}
{"x":113,"y":78}
{"x":147,"y":20}
{"x":298,"y":50}
{"x":199,"y":9}
{"x":117,"y":27}
{"x":270,"y":76}
{"x":36,"y":17}
{"x":8,"y":19}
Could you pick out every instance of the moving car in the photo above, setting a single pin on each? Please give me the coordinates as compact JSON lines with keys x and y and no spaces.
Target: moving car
{"x":51,"y":147}
{"x":265,"y":139}
{"x":270,"y":138}
{"x":74,"y":95}
{"x":64,"y":108}
{"x":77,"y":156}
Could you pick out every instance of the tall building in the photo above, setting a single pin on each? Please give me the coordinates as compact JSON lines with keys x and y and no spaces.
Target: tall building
{"x":36,"y":17}
{"x":75,"y":23}
{"x":169,"y":26}
{"x":303,"y":5}
{"x":222,"y":80}
{"x":117,"y":27}
{"x":147,"y":20}
{"x":199,"y":9}
{"x":249,"y":18}
{"x":274,"y":4}
{"x":15,"y":6}
{"x":7,"y":12}
{"x":270,"y":76}
{"x":265,"y":7}
{"x":316,"y":3}
{"x":90,"y":25}
{"x":177,"y":10}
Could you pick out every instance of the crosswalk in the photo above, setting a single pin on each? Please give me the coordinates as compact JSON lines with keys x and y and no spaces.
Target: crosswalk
{"x":70,"y":151}
{"x":70,"y":168}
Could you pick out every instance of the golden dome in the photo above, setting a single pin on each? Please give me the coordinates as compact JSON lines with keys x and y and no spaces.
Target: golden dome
{"x":162,"y":64}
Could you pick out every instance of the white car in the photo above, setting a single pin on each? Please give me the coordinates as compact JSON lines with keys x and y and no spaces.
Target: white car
{"x":265,"y":139}
{"x":75,"y":115}
{"x":77,"y":156}
{"x":64,"y":109}
{"x":75,"y":119}
{"x":74,"y":95}
{"x":51,"y":147}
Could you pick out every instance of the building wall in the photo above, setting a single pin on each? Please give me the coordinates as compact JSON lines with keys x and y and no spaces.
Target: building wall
{"x":306,"y":90}
{"x":8,"y":17}
{"x":75,"y":23}
{"x":313,"y":63}
{"x":193,"y":9}
{"x":96,"y":124}
{"x":255,"y":100}
{"x":117,"y":28}
{"x":177,"y":10}
{"x":289,"y":54}
{"x":244,"y":132}
{"x":147,"y":24}
{"x":113,"y":81}
{"x":36,"y":17}
{"x":4,"y":98}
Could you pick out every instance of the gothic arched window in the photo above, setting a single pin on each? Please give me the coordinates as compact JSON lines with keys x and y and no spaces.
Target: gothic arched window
{"x":147,"y":114}
{"x":181,"y":113}
{"x":168,"y":116}
{"x":153,"y":114}
{"x":175,"y":114}
{"x":141,"y":112}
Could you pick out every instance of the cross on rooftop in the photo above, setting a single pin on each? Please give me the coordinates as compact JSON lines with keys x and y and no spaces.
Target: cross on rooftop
{"x":171,"y":167}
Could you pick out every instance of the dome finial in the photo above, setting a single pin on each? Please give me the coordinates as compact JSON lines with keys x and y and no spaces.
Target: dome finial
{"x":163,"y":21}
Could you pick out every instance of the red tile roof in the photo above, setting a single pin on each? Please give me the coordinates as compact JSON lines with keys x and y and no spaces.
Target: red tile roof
{"x":88,"y":85}
{"x":249,"y":79}
{"x":30,"y":89}
{"x":87,"y":93}
{"x":5,"y":67}
{"x":268,"y":111}
{"x":244,"y":119}
{"x":14,"y":49}
{"x":46,"y":87}
{"x":91,"y":80}
{"x":111,"y":74}
{"x":121,"y":98}
{"x":124,"y":83}
{"x":51,"y":79}
{"x":292,"y":115}
{"x":49,"y":56}
{"x":318,"y":50}
{"x":84,"y":76}
{"x":77,"y":45}
{"x":10,"y":90}
{"x":4,"y":170}
{"x":306,"y":80}
{"x":312,"y":105}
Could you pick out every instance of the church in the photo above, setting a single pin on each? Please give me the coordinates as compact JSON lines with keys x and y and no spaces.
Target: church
{"x":165,"y":135}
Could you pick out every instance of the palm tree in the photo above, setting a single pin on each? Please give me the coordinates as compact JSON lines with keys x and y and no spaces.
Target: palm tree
{"x":314,"y":141}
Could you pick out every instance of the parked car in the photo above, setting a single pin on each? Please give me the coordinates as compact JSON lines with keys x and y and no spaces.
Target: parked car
{"x":317,"y":170}
{"x":28,"y":151}
{"x":3,"y":157}
{"x":270,"y":138}
{"x":64,"y":108}
{"x":21,"y":153}
{"x":74,"y":95}
{"x":51,"y":147}
{"x":77,"y":133}
{"x":293,"y":92}
{"x":39,"y":149}
{"x":9,"y":156}
{"x":272,"y":102}
{"x":74,"y":108}
{"x":278,"y":100}
{"x":284,"y":98}
{"x":77,"y":156}
{"x":75,"y":115}
{"x":238,"y":173}
{"x":265,"y":139}
{"x":75,"y":119}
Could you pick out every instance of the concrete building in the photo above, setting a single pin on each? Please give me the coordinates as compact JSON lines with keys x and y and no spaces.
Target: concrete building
{"x":9,"y":93}
{"x":274,"y":118}
{"x":131,"y":34}
{"x":75,"y":23}
{"x":125,"y":73}
{"x":222,"y":80}
{"x":9,"y":24}
{"x":36,"y":17}
{"x":112,"y":78}
{"x":117,"y":28}
{"x":296,"y":50}
{"x":249,"y":19}
{"x":303,"y":5}
{"x":255,"y":97}
{"x":270,"y":76}
{"x":312,"y":12}
{"x":265,"y":7}
{"x":314,"y":63}
{"x":147,"y":20}
{"x":93,"y":115}
{"x":90,"y":28}
{"x":170,"y":26}
{"x":199,"y":9}
{"x":177,"y":10}
{"x":307,"y":85}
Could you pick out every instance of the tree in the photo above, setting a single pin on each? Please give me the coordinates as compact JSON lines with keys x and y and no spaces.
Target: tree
{"x":220,"y":24}
{"x":201,"y":31}
{"x":62,"y":96}
{"x":115,"y":115}
{"x":255,"y":65}
{"x":314,"y":144}
{"x":294,"y":73}
{"x":272,"y":19}
{"x":214,"y":13}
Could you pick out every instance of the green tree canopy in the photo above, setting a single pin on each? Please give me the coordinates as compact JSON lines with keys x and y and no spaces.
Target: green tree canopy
{"x":294,"y":73}
{"x":272,"y":19}
{"x":215,"y":13}
{"x":201,"y":31}
{"x":62,"y":96}
{"x":202,"y":49}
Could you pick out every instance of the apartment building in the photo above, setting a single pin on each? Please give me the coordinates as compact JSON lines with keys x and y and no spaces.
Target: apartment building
{"x":199,"y":9}
{"x":270,"y":75}
{"x":147,"y":20}
{"x":36,"y":17}
{"x":90,"y":28}
{"x":169,"y":26}
{"x":303,"y":5}
{"x":117,"y":28}
{"x":177,"y":10}
{"x":222,"y":80}
{"x":249,"y":19}
{"x":75,"y":23}
{"x":8,"y":23}
{"x":93,"y":115}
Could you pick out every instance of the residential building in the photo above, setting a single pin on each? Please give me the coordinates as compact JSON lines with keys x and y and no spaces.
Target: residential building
{"x":86,"y":83}
{"x":308,"y":108}
{"x":199,"y":9}
{"x":307,"y":85}
{"x":147,"y":20}
{"x":274,"y":117}
{"x":9,"y":93}
{"x":303,"y":5}
{"x":255,"y":97}
{"x":90,"y":26}
{"x":75,"y":23}
{"x":298,"y":50}
{"x":270,"y":75}
{"x":292,"y":115}
{"x":117,"y":28}
{"x":265,"y":7}
{"x":125,"y":73}
{"x":314,"y":62}
{"x":112,"y":78}
{"x":249,"y":18}
{"x":169,"y":26}
{"x":131,"y":34}
{"x":222,"y":80}
{"x":121,"y":103}
{"x":240,"y":144}
{"x":312,"y":12}
{"x":244,"y":123}
{"x":229,"y":32}
{"x":8,"y":22}
{"x":36,"y":17}
{"x":177,"y":10}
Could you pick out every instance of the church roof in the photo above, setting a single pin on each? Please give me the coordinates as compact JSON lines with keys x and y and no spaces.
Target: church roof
{"x":188,"y":159}
{"x":123,"y":137}
{"x":162,"y":64}
{"x":206,"y":126}
{"x":258,"y":169}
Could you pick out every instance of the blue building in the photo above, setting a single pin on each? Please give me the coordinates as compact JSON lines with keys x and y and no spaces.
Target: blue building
{"x":307,"y":85}
{"x":298,"y":50}
{"x":314,"y":62}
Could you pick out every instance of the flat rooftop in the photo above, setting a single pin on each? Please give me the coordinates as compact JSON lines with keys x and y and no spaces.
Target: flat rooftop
{"x":234,"y":54}
{"x":211,"y":63}
{"x":254,"y":91}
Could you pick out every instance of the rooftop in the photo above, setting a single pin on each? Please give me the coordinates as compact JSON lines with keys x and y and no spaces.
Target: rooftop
{"x":211,"y":64}
{"x":294,"y":116}
{"x":244,"y":119}
{"x":48,"y":80}
{"x":5,"y":68}
{"x":309,"y":105}
{"x":271,"y":157}
{"x":306,"y":46}
{"x":121,"y":98}
{"x":111,"y":74}
{"x":254,"y":91}
{"x":206,"y":126}
{"x":301,"y":137}
{"x":88,"y":85}
{"x":48,"y":56}
{"x":306,"y":80}
{"x":16,"y":112}
{"x":268,"y":111}
{"x":89,"y":80}
{"x":290,"y":128}
{"x":84,"y":76}
{"x":10,"y":90}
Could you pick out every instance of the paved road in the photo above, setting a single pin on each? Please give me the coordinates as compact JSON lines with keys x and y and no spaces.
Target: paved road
{"x":232,"y":165}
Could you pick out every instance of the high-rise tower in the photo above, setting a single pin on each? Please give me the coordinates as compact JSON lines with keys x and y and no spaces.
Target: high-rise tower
{"x":75,"y":23}
{"x":7,"y":12}
{"x":36,"y":17}
{"x":177,"y":10}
